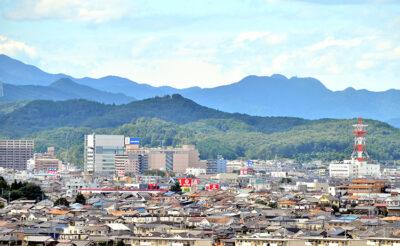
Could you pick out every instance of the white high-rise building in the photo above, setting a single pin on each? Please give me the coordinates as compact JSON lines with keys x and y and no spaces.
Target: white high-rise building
{"x":353,"y":169}
{"x":100,"y":151}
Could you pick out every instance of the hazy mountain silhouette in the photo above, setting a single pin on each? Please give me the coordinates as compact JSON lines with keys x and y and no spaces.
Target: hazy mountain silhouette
{"x":273,"y":95}
{"x":62,"y":89}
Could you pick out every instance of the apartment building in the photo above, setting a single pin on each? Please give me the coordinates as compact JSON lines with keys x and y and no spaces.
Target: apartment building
{"x":14,"y":154}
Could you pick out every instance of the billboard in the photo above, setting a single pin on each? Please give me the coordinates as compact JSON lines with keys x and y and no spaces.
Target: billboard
{"x":130,"y":140}
{"x":243,"y":172}
{"x":153,"y":186}
{"x":52,"y":170}
{"x":195,"y":181}
{"x":250,"y":163}
{"x":185,"y":182}
{"x":212,"y":187}
{"x":186,"y":189}
{"x":121,"y":173}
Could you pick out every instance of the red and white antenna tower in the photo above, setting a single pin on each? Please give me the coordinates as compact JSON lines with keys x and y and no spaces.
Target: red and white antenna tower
{"x":360,"y":151}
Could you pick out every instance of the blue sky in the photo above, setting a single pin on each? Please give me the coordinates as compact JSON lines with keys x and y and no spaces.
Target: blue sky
{"x":208,"y":43}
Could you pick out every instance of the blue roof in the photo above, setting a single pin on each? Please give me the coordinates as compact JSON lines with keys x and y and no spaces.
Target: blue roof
{"x":98,"y":203}
{"x":77,"y":206}
{"x":169,"y":193}
{"x":61,"y":226}
{"x":348,"y":218}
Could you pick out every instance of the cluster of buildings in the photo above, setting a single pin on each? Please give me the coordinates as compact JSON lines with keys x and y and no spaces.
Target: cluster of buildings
{"x":18,"y":155}
{"x":282,"y":206}
{"x":219,"y":202}
{"x":110,"y":154}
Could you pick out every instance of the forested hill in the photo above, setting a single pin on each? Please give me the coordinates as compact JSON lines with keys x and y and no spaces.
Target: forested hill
{"x":44,"y":115}
{"x":175,"y":120}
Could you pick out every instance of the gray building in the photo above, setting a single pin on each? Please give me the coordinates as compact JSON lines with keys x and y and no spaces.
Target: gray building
{"x":100,"y":151}
{"x":216,"y":165}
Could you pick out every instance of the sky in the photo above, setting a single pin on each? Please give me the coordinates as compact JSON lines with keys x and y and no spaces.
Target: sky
{"x":343,"y":43}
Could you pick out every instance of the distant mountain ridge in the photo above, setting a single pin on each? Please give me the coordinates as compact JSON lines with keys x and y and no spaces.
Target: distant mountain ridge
{"x":273,"y":95}
{"x":35,"y":115}
{"x":61,"y":89}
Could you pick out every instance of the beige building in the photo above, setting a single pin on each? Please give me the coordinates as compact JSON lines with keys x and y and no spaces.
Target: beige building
{"x":14,"y":154}
{"x":47,"y":161}
{"x":133,"y":161}
{"x":127,"y":164}
{"x":175,"y":159}
{"x":137,"y":160}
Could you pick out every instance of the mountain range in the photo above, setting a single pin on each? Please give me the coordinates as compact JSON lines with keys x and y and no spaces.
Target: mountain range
{"x":175,"y":120}
{"x":273,"y":95}
{"x":61,"y":89}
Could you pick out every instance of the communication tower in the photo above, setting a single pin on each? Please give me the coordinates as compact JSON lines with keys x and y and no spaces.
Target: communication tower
{"x":360,"y":151}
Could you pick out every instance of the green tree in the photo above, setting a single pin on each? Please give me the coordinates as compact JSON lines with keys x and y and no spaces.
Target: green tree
{"x":272,"y":205}
{"x":335,"y":208}
{"x":286,"y":180}
{"x":120,"y":243}
{"x":16,"y":185}
{"x":80,"y":199}
{"x":176,"y":188}
{"x":16,"y":194}
{"x":3,"y":184}
{"x":61,"y":201}
{"x":155,"y":172}
{"x":32,"y":191}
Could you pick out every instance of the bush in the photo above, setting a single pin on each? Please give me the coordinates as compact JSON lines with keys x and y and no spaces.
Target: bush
{"x":80,"y":199}
{"x":61,"y":201}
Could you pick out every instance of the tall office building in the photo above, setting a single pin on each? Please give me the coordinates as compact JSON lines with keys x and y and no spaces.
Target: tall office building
{"x":216,"y":165}
{"x":14,"y":154}
{"x":100,"y":151}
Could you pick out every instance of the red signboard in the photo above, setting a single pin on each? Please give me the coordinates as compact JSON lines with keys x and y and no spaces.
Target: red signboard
{"x":121,"y":173}
{"x":152,"y":186}
{"x":185,"y":182}
{"x":195,"y":181}
{"x":212,"y":187}
{"x":243,"y":172}
{"x":52,"y":171}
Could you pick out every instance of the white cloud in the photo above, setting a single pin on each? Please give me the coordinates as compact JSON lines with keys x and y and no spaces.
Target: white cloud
{"x":250,"y":36}
{"x":393,"y":54}
{"x":12,"y":47}
{"x":329,"y":42}
{"x":141,"y":46}
{"x":282,"y":60}
{"x":276,"y":38}
{"x":72,"y":10}
{"x":269,"y":38}
{"x":365,"y":64}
